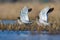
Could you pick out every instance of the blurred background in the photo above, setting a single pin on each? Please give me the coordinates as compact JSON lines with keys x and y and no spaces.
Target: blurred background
{"x":2,"y":1}
{"x":10,"y":9}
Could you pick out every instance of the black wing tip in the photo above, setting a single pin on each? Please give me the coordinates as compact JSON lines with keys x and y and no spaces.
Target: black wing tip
{"x":50,"y":10}
{"x":30,"y":9}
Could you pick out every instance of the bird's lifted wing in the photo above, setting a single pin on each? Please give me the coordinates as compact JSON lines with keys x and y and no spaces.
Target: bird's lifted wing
{"x":24,"y":15}
{"x":43,"y":14}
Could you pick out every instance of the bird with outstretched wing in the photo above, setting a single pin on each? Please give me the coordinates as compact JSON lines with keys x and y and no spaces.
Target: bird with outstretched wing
{"x":43,"y":15}
{"x":24,"y":18}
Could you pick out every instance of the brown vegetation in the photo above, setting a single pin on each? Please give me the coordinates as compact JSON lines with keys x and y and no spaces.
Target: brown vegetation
{"x":12,"y":11}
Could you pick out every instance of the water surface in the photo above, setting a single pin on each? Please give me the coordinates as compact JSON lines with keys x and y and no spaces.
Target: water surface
{"x":26,"y":35}
{"x":8,"y":21}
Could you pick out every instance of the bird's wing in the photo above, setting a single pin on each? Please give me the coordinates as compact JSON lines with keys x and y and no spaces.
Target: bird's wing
{"x":24,"y":15}
{"x":43,"y":14}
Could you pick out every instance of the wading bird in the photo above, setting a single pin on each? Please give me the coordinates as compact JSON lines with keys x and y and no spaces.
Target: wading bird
{"x":24,"y":16}
{"x":43,"y":16}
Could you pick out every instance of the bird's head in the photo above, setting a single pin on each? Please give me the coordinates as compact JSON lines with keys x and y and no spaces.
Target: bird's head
{"x":18,"y":17}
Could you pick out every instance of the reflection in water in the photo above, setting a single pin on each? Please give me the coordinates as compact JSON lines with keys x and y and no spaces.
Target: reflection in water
{"x":26,"y":35}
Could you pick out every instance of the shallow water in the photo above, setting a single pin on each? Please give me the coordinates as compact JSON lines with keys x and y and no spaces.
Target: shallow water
{"x":8,"y":21}
{"x":26,"y":35}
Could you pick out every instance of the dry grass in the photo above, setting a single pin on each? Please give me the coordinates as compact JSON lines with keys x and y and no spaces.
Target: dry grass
{"x":32,"y":27}
{"x":12,"y":11}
